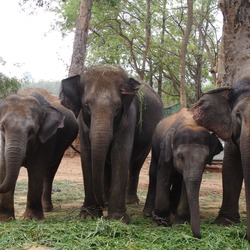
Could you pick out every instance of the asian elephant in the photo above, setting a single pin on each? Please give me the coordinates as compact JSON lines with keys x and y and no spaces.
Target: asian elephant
{"x":117,"y":118}
{"x":226,"y":111}
{"x":180,"y":151}
{"x":35,"y":131}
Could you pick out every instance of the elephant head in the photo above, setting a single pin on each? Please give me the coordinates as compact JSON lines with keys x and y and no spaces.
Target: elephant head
{"x":103,"y":94}
{"x":226,"y":112}
{"x":190,"y":148}
{"x":23,"y":121}
{"x":211,"y":106}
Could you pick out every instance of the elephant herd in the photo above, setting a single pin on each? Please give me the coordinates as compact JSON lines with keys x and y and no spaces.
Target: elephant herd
{"x":119,"y":121}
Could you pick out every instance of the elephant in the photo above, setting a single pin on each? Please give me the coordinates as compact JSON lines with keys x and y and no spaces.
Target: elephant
{"x":180,"y":151}
{"x":35,"y":132}
{"x":117,"y":116}
{"x":225,"y":111}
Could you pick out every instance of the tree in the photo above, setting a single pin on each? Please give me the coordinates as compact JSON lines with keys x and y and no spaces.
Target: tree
{"x":234,"y":49}
{"x":183,"y":93}
{"x":145,"y":38}
{"x":8,"y":85}
{"x":80,"y":40}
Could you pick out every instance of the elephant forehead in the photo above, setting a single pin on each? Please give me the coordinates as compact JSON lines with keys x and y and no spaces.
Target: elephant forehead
{"x":21,"y":106}
{"x":188,"y":135}
{"x":192,"y":150}
{"x":18,"y":122}
{"x":102,"y":95}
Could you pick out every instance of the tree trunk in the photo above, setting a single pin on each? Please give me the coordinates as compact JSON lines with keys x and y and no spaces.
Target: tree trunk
{"x":80,"y":40}
{"x":148,"y":32}
{"x":234,"y":53}
{"x":183,"y":94}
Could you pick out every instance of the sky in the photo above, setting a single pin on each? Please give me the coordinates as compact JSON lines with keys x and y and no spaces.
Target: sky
{"x":27,"y":44}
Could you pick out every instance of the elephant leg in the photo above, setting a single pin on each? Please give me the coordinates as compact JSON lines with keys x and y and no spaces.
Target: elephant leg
{"x":161,"y":214}
{"x":34,"y":209}
{"x":150,"y":200}
{"x":232,"y":178}
{"x":89,"y":209}
{"x":7,"y":212}
{"x":183,"y":213}
{"x":47,"y":186}
{"x":117,"y":208}
{"x":176,"y":191}
{"x":134,"y":173}
{"x":51,"y":170}
{"x":64,"y":138}
{"x":107,"y":182}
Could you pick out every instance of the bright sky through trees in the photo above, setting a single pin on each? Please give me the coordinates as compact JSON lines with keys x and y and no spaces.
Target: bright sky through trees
{"x":27,"y":44}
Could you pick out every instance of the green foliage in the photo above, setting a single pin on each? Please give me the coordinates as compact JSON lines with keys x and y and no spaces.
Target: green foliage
{"x":208,"y":87}
{"x":117,"y":35}
{"x":8,"y":85}
{"x":67,"y":12}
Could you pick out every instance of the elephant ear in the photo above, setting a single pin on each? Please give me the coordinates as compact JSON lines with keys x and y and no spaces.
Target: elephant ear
{"x":213,"y":112}
{"x":52,"y":120}
{"x":215,"y":147}
{"x":128,"y":92}
{"x":70,"y":94}
{"x":166,"y":146}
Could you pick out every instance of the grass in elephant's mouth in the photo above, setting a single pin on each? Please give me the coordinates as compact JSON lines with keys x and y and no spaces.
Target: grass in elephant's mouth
{"x":62,"y":229}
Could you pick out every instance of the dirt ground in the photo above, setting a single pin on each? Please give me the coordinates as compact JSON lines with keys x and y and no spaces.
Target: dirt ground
{"x":210,"y":193}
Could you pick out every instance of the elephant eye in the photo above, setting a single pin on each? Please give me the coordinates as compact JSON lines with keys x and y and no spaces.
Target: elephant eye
{"x":238,"y":115}
{"x":181,"y":157}
{"x":31,"y":132}
{"x":118,"y":110}
{"x":118,"y":114}
{"x":86,"y":105}
{"x":2,"y":129}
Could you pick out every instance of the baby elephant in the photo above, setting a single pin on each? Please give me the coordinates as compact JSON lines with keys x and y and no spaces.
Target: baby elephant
{"x":180,"y":151}
{"x":35,"y":131}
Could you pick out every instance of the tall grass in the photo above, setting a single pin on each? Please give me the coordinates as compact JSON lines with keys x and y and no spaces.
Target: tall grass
{"x":62,"y":229}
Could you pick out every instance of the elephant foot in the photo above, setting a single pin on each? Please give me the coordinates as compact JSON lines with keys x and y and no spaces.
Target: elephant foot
{"x":47,"y":206}
{"x":6,"y":217}
{"x":92,"y":212}
{"x":224,"y":220}
{"x":7,"y":213}
{"x":132,"y":199}
{"x":161,"y":221}
{"x":31,"y":214}
{"x":147,"y":211}
{"x":124,"y":217}
{"x":181,"y":219}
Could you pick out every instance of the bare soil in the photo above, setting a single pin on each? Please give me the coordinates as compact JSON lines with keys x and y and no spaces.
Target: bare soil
{"x":210,"y":193}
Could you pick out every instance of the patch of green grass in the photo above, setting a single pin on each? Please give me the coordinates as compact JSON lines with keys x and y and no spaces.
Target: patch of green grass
{"x":62,"y":229}
{"x":71,"y":233}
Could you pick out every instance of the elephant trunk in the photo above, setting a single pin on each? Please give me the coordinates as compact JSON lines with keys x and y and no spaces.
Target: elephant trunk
{"x":193,"y":189}
{"x":245,"y":156}
{"x":14,"y":153}
{"x":100,"y":142}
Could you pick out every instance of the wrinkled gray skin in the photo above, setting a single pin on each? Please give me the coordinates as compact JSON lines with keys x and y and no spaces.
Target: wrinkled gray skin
{"x":35,"y":131}
{"x":116,"y":128}
{"x":180,"y":151}
{"x":226,"y":111}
